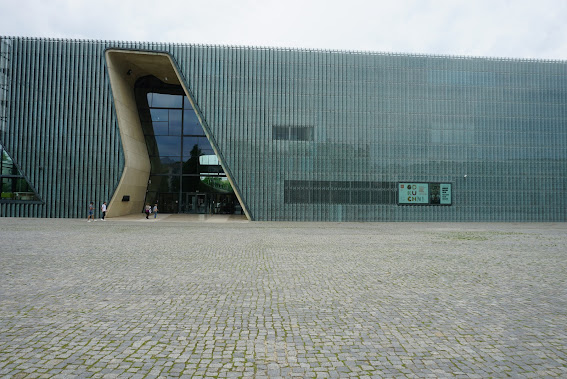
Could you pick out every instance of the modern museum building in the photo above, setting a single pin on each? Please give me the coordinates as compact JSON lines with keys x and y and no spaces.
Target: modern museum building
{"x":279,"y":134}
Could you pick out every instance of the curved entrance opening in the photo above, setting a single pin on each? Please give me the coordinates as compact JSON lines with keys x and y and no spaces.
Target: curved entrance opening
{"x":186,"y":175}
{"x":168,"y":156}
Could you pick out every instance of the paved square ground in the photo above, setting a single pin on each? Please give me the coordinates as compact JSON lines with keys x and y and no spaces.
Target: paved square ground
{"x":198,"y":298}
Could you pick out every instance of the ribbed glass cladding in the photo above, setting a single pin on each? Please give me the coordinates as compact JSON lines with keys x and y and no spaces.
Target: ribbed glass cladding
{"x":186,"y":176}
{"x":304,"y":135}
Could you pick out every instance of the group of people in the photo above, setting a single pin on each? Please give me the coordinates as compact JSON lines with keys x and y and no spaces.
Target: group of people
{"x":148,"y":210}
{"x":102,"y":212}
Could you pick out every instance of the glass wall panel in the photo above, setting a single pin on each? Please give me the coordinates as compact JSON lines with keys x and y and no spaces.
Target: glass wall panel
{"x":191,"y":125}
{"x":14,"y":185}
{"x":196,"y":146}
{"x":186,"y":176}
{"x":175,"y":122}
{"x":159,"y":114}
{"x":7,"y":166}
{"x":168,"y":145}
{"x":162,"y":100}
{"x":168,"y":165}
{"x":8,"y":189}
{"x":160,"y":128}
{"x":164,"y":183}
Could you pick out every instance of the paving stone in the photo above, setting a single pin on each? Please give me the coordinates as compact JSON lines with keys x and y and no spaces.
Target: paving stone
{"x":126,"y":298}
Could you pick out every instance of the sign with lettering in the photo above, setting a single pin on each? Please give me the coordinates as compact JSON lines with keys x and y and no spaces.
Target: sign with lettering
{"x":424,"y":194}
{"x":445,"y":193}
{"x":413,"y":193}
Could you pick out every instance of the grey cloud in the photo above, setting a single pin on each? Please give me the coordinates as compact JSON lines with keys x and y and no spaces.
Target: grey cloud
{"x":521,"y":28}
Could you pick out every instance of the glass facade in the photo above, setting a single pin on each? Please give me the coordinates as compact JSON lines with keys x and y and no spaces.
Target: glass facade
{"x":4,"y":82}
{"x":186,"y":176}
{"x":304,"y":135}
{"x":15,"y":187}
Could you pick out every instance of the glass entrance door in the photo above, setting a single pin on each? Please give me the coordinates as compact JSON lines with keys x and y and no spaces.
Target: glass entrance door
{"x":195,"y":203}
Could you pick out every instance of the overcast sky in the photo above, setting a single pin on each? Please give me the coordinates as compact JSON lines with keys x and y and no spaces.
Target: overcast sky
{"x":495,"y":28}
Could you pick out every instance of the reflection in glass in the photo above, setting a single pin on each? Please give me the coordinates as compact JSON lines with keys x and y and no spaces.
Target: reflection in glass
{"x":13,"y":185}
{"x":8,"y":167}
{"x":202,"y":144}
{"x":209,"y":160}
{"x":159,"y":114}
{"x":175,"y":117}
{"x":186,"y":175}
{"x":167,"y":165}
{"x":191,"y":125}
{"x":7,"y":189}
{"x":161,"y":100}
{"x":17,"y":188}
{"x":160,"y":128}
{"x":163,"y":183}
{"x":168,"y":145}
{"x":191,"y":164}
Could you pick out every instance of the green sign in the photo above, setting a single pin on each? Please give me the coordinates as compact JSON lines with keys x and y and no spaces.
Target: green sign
{"x":413,"y":193}
{"x":424,"y":193}
{"x":445,"y":194}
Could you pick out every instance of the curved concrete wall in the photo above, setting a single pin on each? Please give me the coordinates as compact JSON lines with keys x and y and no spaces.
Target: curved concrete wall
{"x":123,"y":74}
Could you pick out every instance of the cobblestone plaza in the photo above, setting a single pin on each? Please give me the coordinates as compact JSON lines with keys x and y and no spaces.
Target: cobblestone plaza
{"x":179,"y":298}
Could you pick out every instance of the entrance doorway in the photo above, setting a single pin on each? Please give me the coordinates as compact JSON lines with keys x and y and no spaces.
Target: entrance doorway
{"x":194,"y":203}
{"x":198,"y":203}
{"x":186,"y":175}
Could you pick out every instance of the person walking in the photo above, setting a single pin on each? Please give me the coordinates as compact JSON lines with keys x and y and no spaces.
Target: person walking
{"x":148,"y":210}
{"x":91,"y":212}
{"x":155,"y":210}
{"x":103,"y":211}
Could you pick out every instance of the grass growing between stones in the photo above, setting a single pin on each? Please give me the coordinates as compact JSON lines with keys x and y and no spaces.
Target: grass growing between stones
{"x":475,"y":236}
